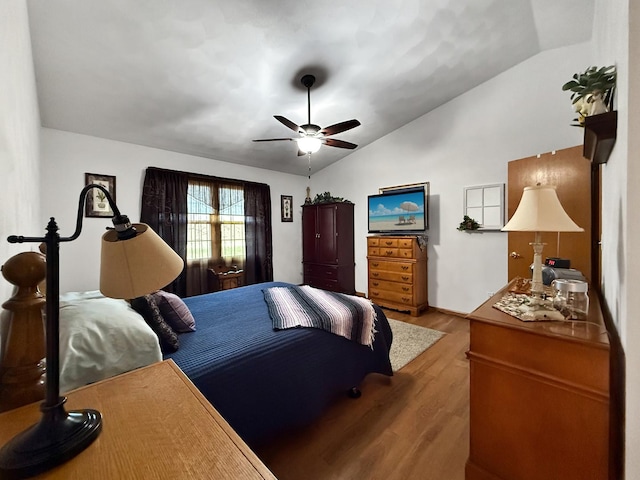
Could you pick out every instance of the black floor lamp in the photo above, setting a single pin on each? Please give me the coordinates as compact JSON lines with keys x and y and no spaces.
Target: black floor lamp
{"x":134,"y":261}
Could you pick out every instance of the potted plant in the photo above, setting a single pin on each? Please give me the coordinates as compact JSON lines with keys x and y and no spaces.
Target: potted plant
{"x":101,"y":199}
{"x":593,"y":91}
{"x":326,"y":197}
{"x":468,"y":223}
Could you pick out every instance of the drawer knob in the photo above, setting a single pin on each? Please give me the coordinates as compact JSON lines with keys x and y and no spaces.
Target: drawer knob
{"x":375,"y":264}
{"x":375,"y":284}
{"x":405,"y":278}
{"x":405,"y":289}
{"x":405,"y":267}
{"x":406,"y":300}
{"x":389,"y":252}
{"x":375,"y":274}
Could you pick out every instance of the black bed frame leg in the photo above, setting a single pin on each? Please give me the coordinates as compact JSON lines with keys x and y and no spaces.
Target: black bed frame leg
{"x":354,"y":392}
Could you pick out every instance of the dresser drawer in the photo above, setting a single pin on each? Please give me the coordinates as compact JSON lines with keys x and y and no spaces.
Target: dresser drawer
{"x":391,"y":286}
{"x":321,"y":271}
{"x":398,"y":267}
{"x":399,"y":277}
{"x":373,"y":242}
{"x":396,"y":297}
{"x":390,"y":252}
{"x":389,"y":242}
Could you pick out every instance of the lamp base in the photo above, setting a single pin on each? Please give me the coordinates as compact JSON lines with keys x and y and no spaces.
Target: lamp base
{"x":58,"y":437}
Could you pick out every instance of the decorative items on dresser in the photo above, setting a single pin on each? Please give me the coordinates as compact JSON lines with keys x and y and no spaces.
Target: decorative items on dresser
{"x":539,"y":396}
{"x":159,"y":426}
{"x":327,"y":246}
{"x":398,"y":272}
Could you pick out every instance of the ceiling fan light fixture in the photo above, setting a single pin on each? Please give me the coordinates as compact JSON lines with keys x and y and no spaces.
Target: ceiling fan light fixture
{"x":309,"y":144}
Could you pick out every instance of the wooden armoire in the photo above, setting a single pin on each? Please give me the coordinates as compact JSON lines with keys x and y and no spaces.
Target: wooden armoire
{"x":328,"y":256}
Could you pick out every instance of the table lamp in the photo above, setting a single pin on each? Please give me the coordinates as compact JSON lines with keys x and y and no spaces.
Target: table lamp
{"x":134,"y":261}
{"x":539,"y":211}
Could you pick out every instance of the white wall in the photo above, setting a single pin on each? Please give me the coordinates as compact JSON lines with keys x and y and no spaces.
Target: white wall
{"x":466,"y":142}
{"x":66,"y":157}
{"x":630,"y":323}
{"x":19,"y":130}
{"x":617,"y":41}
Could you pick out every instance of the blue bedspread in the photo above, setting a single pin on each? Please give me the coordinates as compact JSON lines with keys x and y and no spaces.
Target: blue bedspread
{"x":264,"y":381}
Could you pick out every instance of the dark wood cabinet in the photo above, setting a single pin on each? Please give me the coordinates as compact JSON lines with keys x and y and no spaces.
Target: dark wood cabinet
{"x":327,"y":246}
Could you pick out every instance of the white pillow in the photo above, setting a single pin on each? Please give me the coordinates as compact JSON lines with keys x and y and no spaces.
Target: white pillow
{"x":101,"y":337}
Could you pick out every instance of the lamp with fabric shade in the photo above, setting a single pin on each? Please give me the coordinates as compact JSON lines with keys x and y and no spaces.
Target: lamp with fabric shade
{"x":539,"y":211}
{"x":134,"y":261}
{"x":137,"y":266}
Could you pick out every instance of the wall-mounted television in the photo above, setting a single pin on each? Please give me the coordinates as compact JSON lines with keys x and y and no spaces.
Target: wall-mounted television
{"x":399,"y":211}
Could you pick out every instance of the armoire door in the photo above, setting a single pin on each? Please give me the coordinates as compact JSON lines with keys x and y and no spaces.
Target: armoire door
{"x":309,"y":233}
{"x":570,"y":173}
{"x":326,"y":250}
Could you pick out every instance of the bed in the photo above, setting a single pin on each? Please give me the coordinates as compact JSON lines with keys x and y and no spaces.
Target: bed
{"x":263,"y":381}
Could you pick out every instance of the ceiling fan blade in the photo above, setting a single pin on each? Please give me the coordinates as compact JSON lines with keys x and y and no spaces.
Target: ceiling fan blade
{"x":334,"y":142}
{"x":339,"y":127}
{"x":271,"y":139}
{"x":288,"y":123}
{"x":301,"y":153}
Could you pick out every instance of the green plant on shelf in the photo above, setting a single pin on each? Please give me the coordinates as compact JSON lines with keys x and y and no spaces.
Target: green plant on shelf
{"x":592,"y":92}
{"x":468,"y":223}
{"x":326,"y":197}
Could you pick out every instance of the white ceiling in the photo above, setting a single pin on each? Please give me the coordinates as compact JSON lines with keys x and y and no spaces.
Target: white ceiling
{"x":205,"y":77}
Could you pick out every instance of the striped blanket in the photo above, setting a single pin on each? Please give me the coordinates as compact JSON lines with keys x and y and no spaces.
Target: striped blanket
{"x":345,"y":315}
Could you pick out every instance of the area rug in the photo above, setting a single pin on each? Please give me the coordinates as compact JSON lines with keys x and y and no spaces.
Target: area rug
{"x":409,"y":341}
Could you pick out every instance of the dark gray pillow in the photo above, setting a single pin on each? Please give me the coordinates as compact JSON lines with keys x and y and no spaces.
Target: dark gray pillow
{"x":174,"y":311}
{"x":148,"y":308}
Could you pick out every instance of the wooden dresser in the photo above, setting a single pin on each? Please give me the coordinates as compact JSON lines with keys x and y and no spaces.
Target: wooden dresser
{"x":539,"y":397}
{"x":156,"y":424}
{"x":398,"y":273}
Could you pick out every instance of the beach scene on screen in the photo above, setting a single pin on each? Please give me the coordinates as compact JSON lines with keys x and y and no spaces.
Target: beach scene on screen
{"x":396,"y":212}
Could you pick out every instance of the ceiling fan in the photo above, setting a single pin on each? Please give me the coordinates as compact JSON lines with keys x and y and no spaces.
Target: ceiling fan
{"x":311,"y":136}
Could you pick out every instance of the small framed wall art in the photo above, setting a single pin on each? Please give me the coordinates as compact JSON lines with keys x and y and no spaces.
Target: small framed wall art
{"x":286,"y":208}
{"x":97,"y":204}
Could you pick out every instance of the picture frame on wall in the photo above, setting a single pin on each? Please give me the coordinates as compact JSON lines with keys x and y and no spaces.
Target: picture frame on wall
{"x":286,"y":208}
{"x":96,"y":204}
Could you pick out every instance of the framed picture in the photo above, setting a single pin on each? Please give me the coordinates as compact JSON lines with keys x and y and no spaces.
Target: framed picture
{"x":286,"y":208}
{"x":96,"y":204}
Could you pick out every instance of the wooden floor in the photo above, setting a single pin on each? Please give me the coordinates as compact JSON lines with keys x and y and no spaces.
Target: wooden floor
{"x":414,"y":425}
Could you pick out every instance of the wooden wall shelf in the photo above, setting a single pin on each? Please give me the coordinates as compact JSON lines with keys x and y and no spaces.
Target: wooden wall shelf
{"x":600,"y":136}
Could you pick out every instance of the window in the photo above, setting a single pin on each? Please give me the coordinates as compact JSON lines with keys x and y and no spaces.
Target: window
{"x":484,"y":204}
{"x":215,"y":221}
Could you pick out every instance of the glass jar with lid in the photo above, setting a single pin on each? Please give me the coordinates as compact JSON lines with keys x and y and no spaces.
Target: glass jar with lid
{"x":571,"y":298}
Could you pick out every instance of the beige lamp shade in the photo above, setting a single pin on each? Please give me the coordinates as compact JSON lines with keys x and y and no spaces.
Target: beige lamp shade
{"x":136,"y":266}
{"x":540,"y":210}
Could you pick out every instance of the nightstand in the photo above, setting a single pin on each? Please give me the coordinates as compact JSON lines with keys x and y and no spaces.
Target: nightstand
{"x":225,"y":278}
{"x":156,"y":424}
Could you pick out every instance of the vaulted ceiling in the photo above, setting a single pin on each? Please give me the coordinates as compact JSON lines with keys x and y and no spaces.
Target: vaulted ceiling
{"x":205,"y":77}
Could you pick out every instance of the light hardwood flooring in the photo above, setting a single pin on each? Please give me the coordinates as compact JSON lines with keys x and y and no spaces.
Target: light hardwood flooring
{"x":414,"y":425}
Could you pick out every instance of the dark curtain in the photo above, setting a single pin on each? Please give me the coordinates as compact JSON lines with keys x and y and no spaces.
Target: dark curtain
{"x":257,"y":225}
{"x":164,"y":208}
